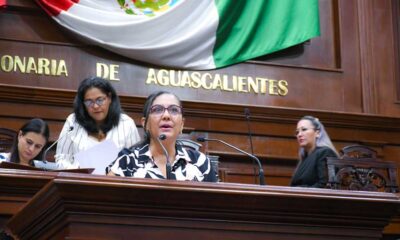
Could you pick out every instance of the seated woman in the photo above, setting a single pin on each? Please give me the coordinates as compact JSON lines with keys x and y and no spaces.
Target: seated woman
{"x":162,"y":117}
{"x":97,"y":116}
{"x":315,"y":146}
{"x":29,"y":143}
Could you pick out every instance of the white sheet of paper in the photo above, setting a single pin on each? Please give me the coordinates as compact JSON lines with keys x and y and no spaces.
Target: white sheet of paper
{"x":98,"y":156}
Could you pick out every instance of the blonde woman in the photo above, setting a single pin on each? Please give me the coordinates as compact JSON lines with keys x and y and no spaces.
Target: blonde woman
{"x":314,"y":147}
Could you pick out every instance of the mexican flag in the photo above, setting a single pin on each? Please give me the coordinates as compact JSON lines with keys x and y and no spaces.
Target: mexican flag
{"x":189,"y":34}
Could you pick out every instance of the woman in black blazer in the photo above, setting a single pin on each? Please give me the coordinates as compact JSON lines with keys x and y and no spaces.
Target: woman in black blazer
{"x":314,"y":147}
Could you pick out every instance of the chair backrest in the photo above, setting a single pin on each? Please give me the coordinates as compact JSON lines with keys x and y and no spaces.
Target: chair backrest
{"x":6,"y":139}
{"x":214,"y":160}
{"x":359,"y":169}
{"x":187,"y":143}
{"x":358,"y":152}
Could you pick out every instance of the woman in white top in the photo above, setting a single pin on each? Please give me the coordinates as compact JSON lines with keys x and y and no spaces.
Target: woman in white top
{"x":29,"y":143}
{"x":97,"y":116}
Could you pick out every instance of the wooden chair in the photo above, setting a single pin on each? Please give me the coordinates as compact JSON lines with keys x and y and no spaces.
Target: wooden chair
{"x":214,"y":160}
{"x":187,"y":143}
{"x":6,"y":139}
{"x":359,"y":169}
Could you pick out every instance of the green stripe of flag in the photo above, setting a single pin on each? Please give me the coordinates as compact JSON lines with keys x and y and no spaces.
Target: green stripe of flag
{"x":252,"y":28}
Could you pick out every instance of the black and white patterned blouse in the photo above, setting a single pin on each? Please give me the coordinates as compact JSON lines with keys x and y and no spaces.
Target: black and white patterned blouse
{"x":189,"y":165}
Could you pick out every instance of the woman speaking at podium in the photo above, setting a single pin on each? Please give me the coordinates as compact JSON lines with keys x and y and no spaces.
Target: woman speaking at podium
{"x":315,"y":146}
{"x":159,"y":156}
{"x":97,"y":116}
{"x":29,"y":143}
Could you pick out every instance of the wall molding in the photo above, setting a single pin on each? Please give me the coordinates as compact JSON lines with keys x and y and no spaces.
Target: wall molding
{"x":64,"y":98}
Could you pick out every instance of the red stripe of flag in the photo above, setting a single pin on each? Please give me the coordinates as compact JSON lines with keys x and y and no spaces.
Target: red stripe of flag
{"x":3,"y":3}
{"x":54,"y":7}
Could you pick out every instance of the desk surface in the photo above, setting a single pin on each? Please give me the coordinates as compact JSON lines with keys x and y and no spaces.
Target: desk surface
{"x":84,"y":206}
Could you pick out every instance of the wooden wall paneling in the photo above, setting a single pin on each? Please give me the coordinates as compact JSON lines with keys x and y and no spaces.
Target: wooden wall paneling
{"x":272,"y":129}
{"x":335,"y":21}
{"x":385,"y":41}
{"x":367,"y":31}
{"x":265,"y":133}
{"x":34,"y":25}
{"x":378,"y":40}
{"x":21,"y":4}
{"x":239,"y":169}
{"x":350,"y":91}
{"x":396,"y":45}
{"x":392,"y":153}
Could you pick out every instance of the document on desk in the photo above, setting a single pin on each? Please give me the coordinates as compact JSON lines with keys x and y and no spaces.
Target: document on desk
{"x":98,"y":156}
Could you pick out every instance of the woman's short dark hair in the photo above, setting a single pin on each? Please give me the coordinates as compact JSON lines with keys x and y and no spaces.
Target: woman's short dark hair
{"x":146,"y":111}
{"x":81,"y":114}
{"x":35,"y":125}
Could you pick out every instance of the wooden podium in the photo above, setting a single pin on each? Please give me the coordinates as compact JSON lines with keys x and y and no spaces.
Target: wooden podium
{"x":78,"y":206}
{"x":19,"y":183}
{"x":17,"y":187}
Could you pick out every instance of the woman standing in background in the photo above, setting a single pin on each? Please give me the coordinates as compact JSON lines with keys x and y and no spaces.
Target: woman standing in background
{"x":97,"y":116}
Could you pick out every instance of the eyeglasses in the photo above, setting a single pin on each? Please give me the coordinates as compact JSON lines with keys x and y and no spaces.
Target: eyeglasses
{"x":174,"y":110}
{"x":298,"y":131}
{"x":99,"y":101}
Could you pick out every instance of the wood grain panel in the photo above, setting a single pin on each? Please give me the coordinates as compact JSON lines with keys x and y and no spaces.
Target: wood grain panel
{"x":396,"y":41}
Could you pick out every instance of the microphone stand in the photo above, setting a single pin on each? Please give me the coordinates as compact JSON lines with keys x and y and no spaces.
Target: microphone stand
{"x":43,"y":163}
{"x":260,"y":171}
{"x":247,"y":114}
{"x":54,"y":143}
{"x":168,"y":168}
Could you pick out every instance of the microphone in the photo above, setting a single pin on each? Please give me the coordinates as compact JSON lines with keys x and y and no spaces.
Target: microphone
{"x":160,"y":138}
{"x":47,"y":165}
{"x":54,"y":143}
{"x":260,"y":171}
{"x":247,"y":115}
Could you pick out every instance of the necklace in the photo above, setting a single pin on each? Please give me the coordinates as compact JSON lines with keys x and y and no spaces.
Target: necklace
{"x":99,"y":136}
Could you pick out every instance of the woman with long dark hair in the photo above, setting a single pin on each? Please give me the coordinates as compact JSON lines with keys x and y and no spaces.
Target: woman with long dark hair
{"x":97,"y":116}
{"x":29,"y":143}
